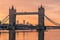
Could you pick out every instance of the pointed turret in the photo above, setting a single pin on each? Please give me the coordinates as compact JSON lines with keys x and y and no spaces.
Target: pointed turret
{"x":12,"y":15}
{"x":41,"y":7}
{"x":12,"y":7}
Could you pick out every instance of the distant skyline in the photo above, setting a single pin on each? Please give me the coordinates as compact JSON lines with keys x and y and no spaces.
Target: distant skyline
{"x":52,"y":9}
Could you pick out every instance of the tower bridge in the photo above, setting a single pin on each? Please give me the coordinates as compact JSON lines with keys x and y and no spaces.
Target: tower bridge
{"x":40,"y":28}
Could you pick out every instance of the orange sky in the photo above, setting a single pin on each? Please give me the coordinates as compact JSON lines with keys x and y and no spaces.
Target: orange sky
{"x":52,"y":9}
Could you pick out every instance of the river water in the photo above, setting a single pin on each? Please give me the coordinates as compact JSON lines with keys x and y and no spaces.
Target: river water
{"x":52,"y":34}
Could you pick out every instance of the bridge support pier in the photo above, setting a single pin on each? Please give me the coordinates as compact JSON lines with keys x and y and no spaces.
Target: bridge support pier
{"x":11,"y":34}
{"x":41,"y":35}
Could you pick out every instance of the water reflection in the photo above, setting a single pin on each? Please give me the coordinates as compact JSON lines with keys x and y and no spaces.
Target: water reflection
{"x":4,"y":36}
{"x":49,"y":35}
{"x":52,"y":34}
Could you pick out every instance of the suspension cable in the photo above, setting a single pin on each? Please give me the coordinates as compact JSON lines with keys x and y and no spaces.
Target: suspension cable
{"x":51,"y":21}
{"x":5,"y":19}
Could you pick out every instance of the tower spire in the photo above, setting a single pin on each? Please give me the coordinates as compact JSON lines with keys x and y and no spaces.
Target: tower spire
{"x":12,"y":7}
{"x":41,"y":6}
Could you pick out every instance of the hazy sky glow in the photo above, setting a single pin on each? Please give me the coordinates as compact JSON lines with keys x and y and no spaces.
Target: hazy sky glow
{"x":52,"y":8}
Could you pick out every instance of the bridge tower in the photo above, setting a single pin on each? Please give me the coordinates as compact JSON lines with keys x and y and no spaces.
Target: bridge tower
{"x":12,"y":15}
{"x":41,"y":12}
{"x":12,"y":22}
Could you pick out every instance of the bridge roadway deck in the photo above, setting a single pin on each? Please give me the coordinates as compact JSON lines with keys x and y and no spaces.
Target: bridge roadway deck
{"x":25,"y":27}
